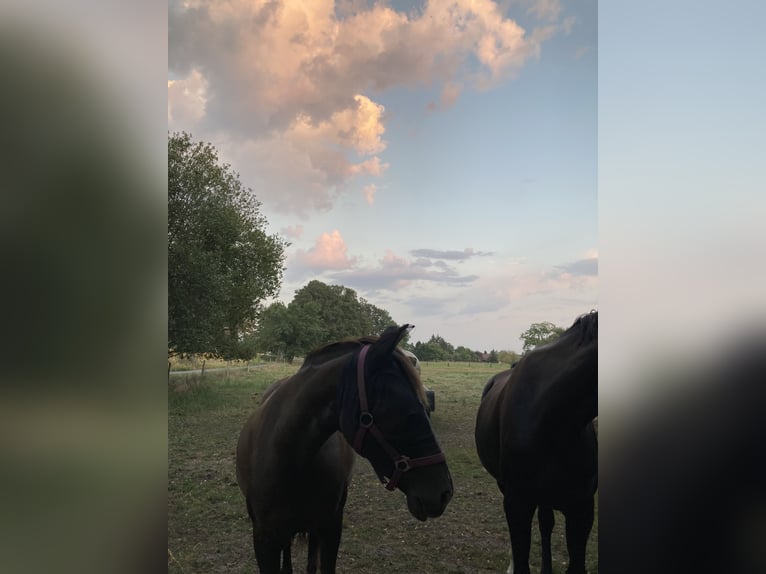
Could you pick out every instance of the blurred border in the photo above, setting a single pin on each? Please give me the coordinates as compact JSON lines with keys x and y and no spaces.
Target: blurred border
{"x":83,"y":422}
{"x":682,"y":282}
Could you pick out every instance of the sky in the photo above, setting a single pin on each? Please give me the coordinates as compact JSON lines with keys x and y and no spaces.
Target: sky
{"x":437,"y":157}
{"x":681,"y":186}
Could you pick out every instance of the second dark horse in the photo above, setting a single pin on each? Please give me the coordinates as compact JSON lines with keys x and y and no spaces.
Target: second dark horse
{"x":535,"y":436}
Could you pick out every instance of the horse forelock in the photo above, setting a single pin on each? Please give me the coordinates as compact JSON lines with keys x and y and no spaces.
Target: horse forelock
{"x":412,"y":376}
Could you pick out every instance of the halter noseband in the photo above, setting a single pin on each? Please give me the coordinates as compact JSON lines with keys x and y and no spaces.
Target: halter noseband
{"x":402,"y":463}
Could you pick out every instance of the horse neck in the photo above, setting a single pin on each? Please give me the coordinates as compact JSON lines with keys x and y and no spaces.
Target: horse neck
{"x":310,"y":416}
{"x":550,"y":408}
{"x":570,"y":402}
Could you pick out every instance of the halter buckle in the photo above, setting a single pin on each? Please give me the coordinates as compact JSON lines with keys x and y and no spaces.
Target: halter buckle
{"x":365,"y":420}
{"x":402,"y":464}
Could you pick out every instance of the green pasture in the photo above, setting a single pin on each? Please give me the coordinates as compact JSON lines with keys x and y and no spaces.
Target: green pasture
{"x":209,"y":530}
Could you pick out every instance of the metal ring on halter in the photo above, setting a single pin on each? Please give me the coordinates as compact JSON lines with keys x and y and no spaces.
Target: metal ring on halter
{"x":365,"y":420}
{"x":402,"y":464}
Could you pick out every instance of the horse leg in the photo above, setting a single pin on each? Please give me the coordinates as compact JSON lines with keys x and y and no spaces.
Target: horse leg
{"x":331,"y":534}
{"x":518,"y":514}
{"x":287,"y":559}
{"x":546,"y":521}
{"x":579,"y":522}
{"x":313,"y":553}
{"x":267,"y":554}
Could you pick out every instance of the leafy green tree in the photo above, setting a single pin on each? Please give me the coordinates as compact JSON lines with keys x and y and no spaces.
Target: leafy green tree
{"x":430,"y":351}
{"x":508,"y":357}
{"x":287,"y":332}
{"x":447,"y":348}
{"x":378,"y":318}
{"x":492,"y":356}
{"x":540,"y":334}
{"x":318,"y":314}
{"x":464,"y":354}
{"x":335,"y":309}
{"x":221,"y":262}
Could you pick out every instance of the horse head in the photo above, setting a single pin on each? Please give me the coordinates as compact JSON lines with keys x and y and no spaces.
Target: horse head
{"x":383,"y":416}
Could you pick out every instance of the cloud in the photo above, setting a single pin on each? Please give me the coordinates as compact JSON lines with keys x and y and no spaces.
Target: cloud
{"x":369,"y":193}
{"x":581,"y":51}
{"x":587,"y":267}
{"x":451,"y":255}
{"x":545,"y":9}
{"x":292,"y":231}
{"x":329,"y":253}
{"x":394,"y":272}
{"x":504,"y":298}
{"x":520,"y":285}
{"x":187,"y":99}
{"x":288,"y":86}
{"x":567,"y":25}
{"x":449,"y":95}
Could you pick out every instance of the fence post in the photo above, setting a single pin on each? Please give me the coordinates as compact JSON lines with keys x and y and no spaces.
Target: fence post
{"x":168,"y":371}
{"x":202,"y":376}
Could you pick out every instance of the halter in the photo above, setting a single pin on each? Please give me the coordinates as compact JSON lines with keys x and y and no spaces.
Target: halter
{"x":402,"y":463}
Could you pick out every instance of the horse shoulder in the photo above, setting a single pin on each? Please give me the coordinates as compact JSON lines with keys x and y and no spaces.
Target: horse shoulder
{"x":487,"y":433}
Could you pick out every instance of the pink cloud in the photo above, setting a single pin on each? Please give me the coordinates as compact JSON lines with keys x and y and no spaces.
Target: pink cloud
{"x":369,"y":193}
{"x":329,"y":252}
{"x":289,"y":87}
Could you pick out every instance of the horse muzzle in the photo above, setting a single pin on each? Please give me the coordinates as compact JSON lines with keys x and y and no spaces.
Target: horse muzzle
{"x":428,"y":491}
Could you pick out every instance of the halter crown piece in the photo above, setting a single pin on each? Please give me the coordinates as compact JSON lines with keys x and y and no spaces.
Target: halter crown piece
{"x":402,"y":463}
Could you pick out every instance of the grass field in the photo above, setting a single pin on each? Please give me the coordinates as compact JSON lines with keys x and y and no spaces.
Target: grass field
{"x":209,"y":530}
{"x":196,"y":362}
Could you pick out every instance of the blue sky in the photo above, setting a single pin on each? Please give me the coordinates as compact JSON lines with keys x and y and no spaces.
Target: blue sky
{"x":438,"y":158}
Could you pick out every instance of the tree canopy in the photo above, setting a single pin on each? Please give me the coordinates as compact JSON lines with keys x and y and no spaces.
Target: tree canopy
{"x":540,"y":334}
{"x":321,"y":313}
{"x":317,"y":315}
{"x":221,"y":262}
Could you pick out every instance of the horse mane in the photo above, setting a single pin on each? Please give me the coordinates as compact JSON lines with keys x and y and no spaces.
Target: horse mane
{"x":331,"y":351}
{"x":585,"y":327}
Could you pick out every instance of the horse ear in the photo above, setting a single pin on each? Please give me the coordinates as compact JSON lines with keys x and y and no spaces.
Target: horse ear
{"x":386,"y":343}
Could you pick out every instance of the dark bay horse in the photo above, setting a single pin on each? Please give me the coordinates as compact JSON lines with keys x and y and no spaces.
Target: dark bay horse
{"x":295,"y":453}
{"x":535,"y":436}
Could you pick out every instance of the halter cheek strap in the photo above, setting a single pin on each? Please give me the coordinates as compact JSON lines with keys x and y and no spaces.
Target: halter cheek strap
{"x":402,"y":463}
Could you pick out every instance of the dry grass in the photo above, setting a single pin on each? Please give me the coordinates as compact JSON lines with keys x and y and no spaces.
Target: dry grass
{"x":209,"y":531}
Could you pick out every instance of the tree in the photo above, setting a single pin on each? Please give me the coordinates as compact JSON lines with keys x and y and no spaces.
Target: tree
{"x":447,"y":348}
{"x":492,"y":356}
{"x":378,"y":318}
{"x":221,"y":262}
{"x":335,"y":310}
{"x":285,"y":332}
{"x":540,"y":334}
{"x":508,"y":357}
{"x":430,"y":351}
{"x":318,"y":314}
{"x":464,"y":354}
